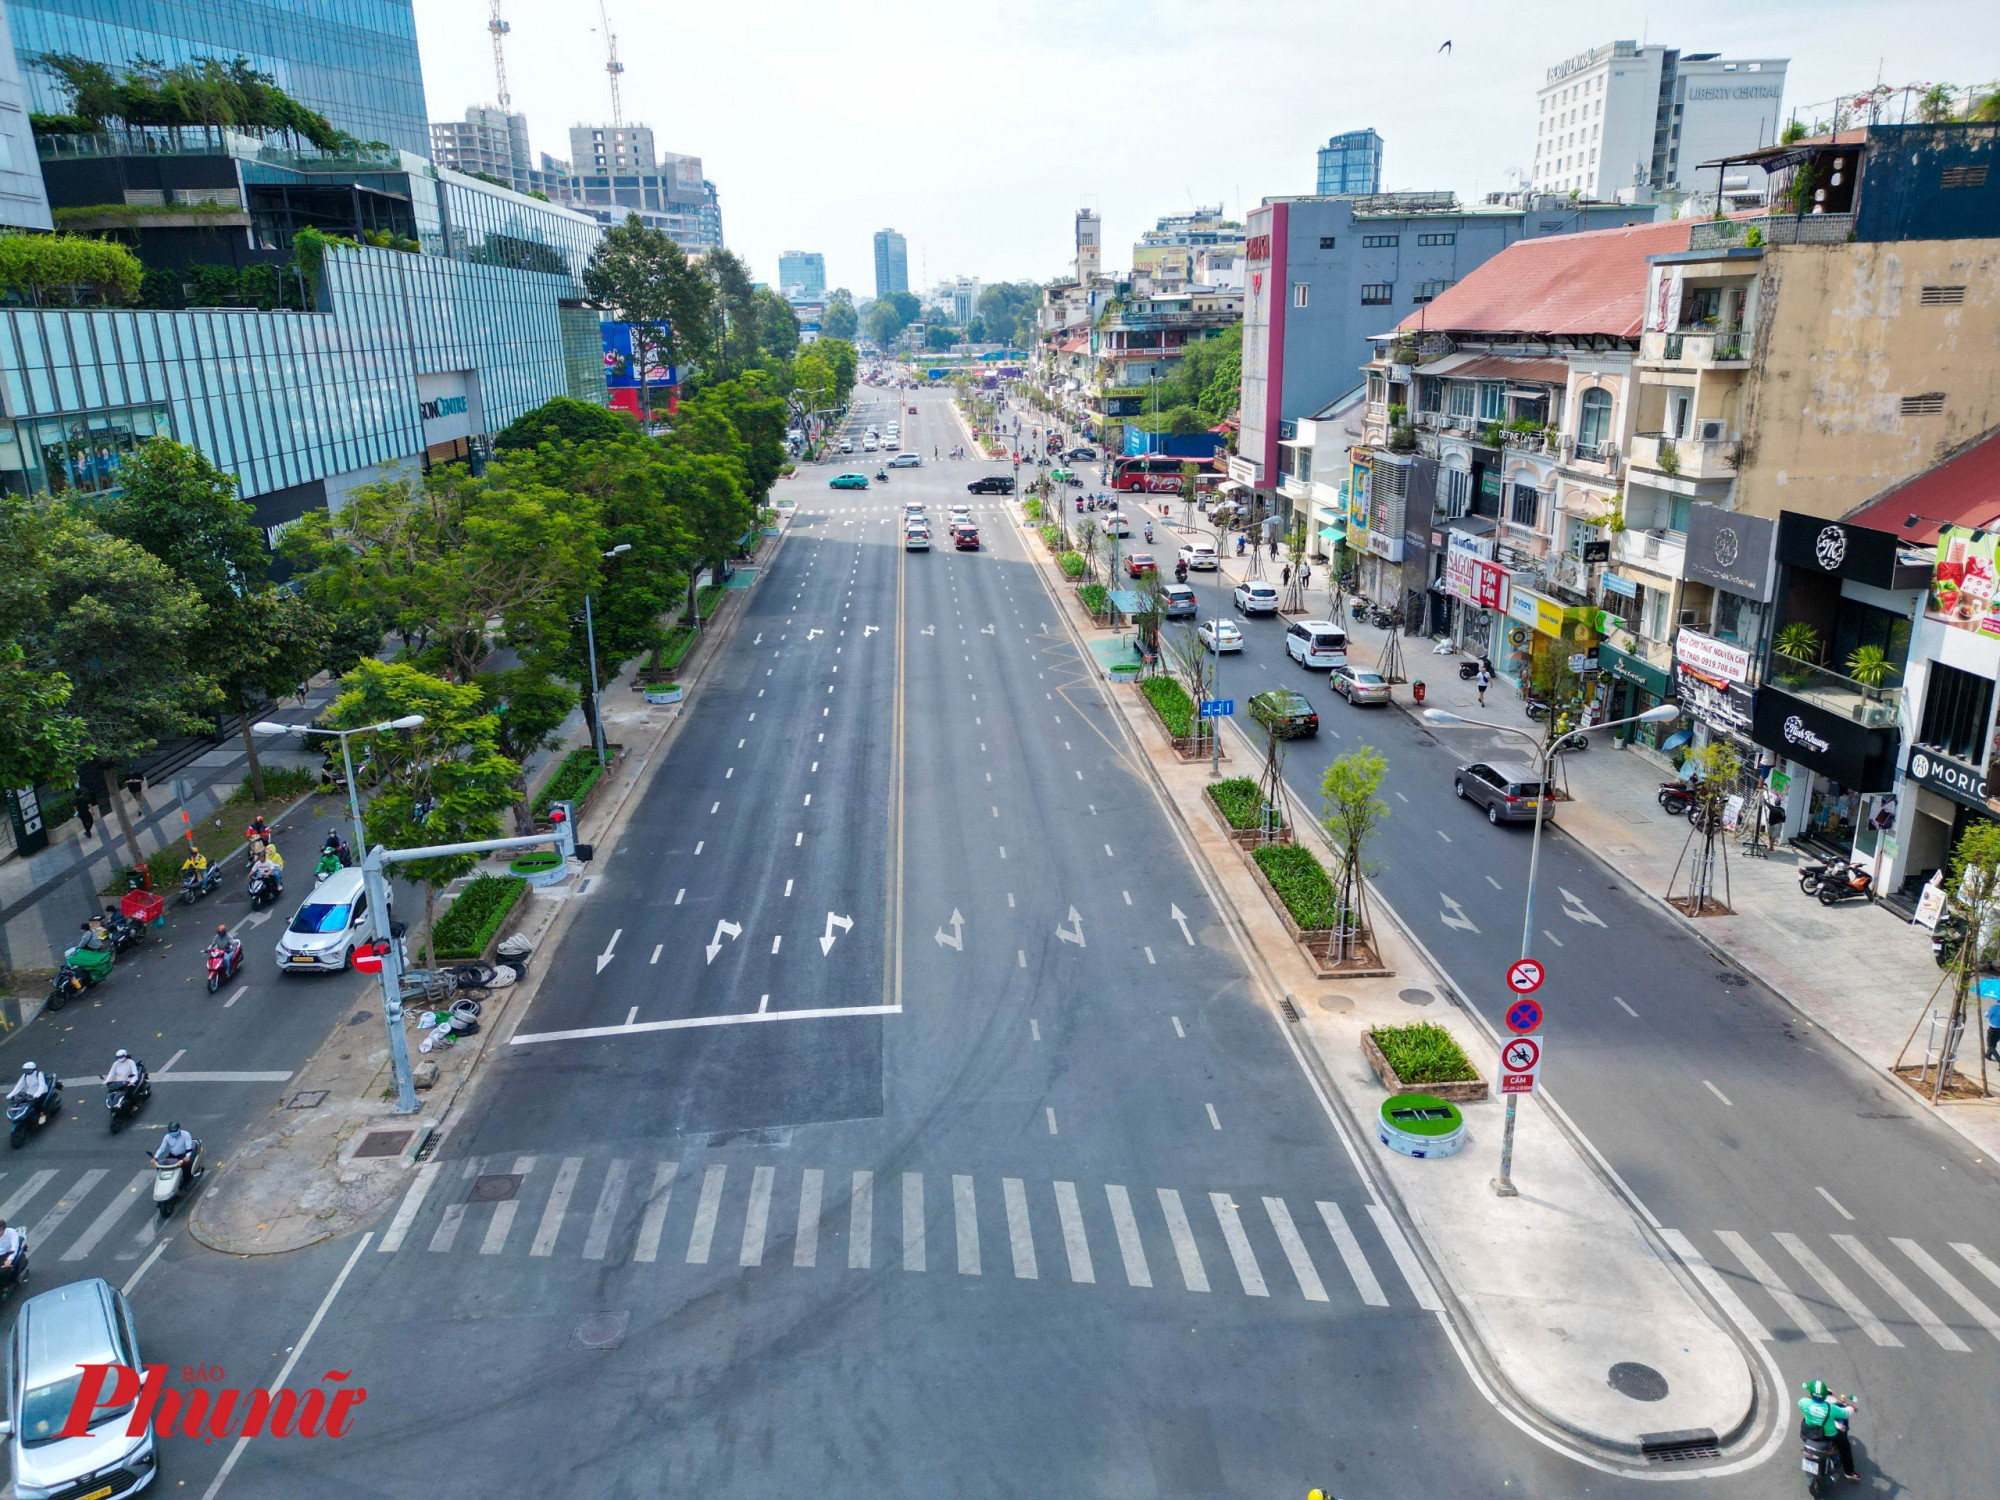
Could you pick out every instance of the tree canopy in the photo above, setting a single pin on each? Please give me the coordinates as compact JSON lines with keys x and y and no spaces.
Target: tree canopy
{"x":839,"y":320}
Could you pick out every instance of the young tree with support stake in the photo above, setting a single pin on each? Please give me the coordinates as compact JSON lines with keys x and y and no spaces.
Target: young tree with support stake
{"x":1351,"y":811}
{"x":1971,"y":920}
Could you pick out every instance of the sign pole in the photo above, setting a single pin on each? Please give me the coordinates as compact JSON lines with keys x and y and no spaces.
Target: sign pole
{"x":1503,"y":1185}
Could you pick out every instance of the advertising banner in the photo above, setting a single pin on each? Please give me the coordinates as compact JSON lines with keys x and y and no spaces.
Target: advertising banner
{"x":1963,"y":587}
{"x":1712,"y":658}
{"x":620,"y":370}
{"x":1471,"y":575}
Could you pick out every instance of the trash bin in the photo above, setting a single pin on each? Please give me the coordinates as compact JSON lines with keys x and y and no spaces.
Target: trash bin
{"x":1417,"y":691}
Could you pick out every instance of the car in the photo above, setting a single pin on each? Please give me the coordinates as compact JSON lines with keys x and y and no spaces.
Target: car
{"x":916,"y":540}
{"x":1256,"y":597}
{"x":960,"y":511}
{"x":1140,"y":564}
{"x":1115,"y":524}
{"x":1285,"y":712}
{"x":1220,"y":636}
{"x":913,"y":411}
{"x":992,"y":484}
{"x":1081,"y":455}
{"x":1199,"y":556}
{"x":965,"y":538}
{"x":847,"y":445}
{"x":870,"y":445}
{"x":85,"y":1322}
{"x":1357,"y":685}
{"x":1316,"y":643}
{"x":1509,"y":790}
{"x":848,"y":482}
{"x":330,"y":923}
{"x":1179,"y":599}
{"x":892,"y":443}
{"x":913,"y":507}
{"x":906,"y":461}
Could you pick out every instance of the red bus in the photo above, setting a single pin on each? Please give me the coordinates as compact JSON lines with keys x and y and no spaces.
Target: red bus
{"x":1157,"y":473}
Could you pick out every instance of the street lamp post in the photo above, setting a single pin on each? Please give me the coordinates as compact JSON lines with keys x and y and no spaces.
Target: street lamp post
{"x":590,"y":643}
{"x":1663,"y":713}
{"x":408,"y":721}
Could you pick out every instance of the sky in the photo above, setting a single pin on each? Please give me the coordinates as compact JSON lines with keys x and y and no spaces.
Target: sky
{"x":978,"y":129}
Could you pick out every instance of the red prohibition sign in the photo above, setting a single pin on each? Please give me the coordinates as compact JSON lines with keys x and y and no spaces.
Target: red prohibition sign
{"x":1524,"y":976}
{"x":1521,"y":1054}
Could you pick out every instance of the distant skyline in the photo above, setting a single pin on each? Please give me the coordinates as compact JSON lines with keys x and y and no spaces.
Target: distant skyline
{"x":783,"y":102}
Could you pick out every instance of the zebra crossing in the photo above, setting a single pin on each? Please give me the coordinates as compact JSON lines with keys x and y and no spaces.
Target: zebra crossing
{"x":1156,"y":1240}
{"x":34,"y":1203}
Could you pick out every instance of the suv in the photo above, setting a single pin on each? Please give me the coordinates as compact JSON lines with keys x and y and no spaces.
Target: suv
{"x":905,"y":461}
{"x":992,"y":484}
{"x":1508,"y":790}
{"x":83,"y":1323}
{"x":1316,"y":643}
{"x":328,"y":925}
{"x":1179,"y":600}
{"x":1200,"y":555}
{"x":1256,"y":597}
{"x":1285,"y":712}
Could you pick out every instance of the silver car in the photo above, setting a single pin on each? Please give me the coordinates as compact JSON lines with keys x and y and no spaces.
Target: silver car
{"x":1357,"y":685}
{"x":83,"y":1323}
{"x":1508,"y":790}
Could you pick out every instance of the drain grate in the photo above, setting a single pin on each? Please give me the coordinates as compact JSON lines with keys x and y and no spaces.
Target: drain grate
{"x":605,"y":1330}
{"x":496,"y":1187}
{"x":1640,"y":1382}
{"x":384,"y":1143}
{"x":1679,"y":1447}
{"x":307,"y":1099}
{"x":1731,"y":979}
{"x":1291,"y":1011}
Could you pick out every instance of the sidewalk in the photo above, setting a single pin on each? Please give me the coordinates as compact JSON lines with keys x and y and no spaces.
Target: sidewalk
{"x":1551,"y":1289}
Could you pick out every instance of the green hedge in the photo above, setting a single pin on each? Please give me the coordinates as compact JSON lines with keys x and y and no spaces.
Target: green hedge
{"x":674,"y":647}
{"x":1052,"y":536}
{"x":1301,"y":883}
{"x":1096,"y":597}
{"x":1072,"y":564}
{"x":1240,"y":802}
{"x":1424,"y":1052}
{"x":707,"y":598}
{"x":1032,"y":509}
{"x":469,"y":923}
{"x":573,"y":779}
{"x":1173,"y":703}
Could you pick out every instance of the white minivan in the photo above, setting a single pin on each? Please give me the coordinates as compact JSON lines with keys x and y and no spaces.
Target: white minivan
{"x":326,"y":929}
{"x":1316,"y":643}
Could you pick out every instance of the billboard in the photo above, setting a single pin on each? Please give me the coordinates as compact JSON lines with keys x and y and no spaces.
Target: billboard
{"x":620,"y":372}
{"x":1966,"y":580}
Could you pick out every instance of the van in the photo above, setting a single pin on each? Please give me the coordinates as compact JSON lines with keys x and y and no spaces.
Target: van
{"x":83,"y":1323}
{"x":1316,"y":643}
{"x":331,"y":922}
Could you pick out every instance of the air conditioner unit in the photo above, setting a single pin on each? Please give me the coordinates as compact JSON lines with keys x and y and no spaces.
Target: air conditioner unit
{"x":1712,"y":430}
{"x":1688,"y":618}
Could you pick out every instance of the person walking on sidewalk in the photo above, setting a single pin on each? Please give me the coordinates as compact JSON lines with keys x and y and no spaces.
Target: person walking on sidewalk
{"x":1285,"y":579}
{"x":1484,"y":681}
{"x":1989,"y":991}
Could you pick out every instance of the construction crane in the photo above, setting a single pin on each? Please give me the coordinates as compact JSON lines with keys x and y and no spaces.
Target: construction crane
{"x":499,"y":28}
{"x":612,"y":67}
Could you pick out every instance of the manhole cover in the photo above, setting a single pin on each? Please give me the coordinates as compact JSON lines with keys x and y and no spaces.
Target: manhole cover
{"x":1415,"y":997}
{"x":603,"y":1330}
{"x":494,"y":1188}
{"x":384,"y":1143}
{"x":1733,"y":979}
{"x":308,"y":1099}
{"x":1336,"y":1003}
{"x":1640,"y":1382}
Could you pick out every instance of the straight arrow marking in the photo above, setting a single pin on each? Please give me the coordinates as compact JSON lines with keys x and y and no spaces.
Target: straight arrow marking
{"x":715,"y":943}
{"x":605,"y":957}
{"x":1181,"y":917}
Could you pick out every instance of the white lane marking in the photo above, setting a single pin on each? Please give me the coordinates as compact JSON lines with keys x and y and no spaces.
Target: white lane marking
{"x":557,"y":1207}
{"x":1978,"y":1261}
{"x":1717,"y":1092}
{"x":1214,"y":1123}
{"x":65,"y":1204}
{"x":1020,"y":958}
{"x":776,"y":940}
{"x":1051,"y":1111}
{"x":1020,"y":1238}
{"x":716,"y":808}
{"x":861,"y":1222}
{"x":1131,"y":1249}
{"x":1454,"y":915}
{"x":758,"y":1218}
{"x":1003,"y":851}
{"x":212,"y":1077}
{"x":1401,"y":798}
{"x":1149,"y":957}
{"x":705,"y":1214}
{"x":1405,"y":1259}
{"x":1010,"y":898}
{"x":631,"y":1015}
{"x":1715,"y":1286}
{"x":1443,"y":835}
{"x":655,"y":1218}
{"x":240,"y":993}
{"x":145,"y":1265}
{"x":763,"y":1004}
{"x":598,"y":1241}
{"x":726,"y":775}
{"x":1626,"y":1008}
{"x":1177,"y":1027}
{"x":965,"y":1219}
{"x":447,"y":1230}
{"x":102,"y":1224}
{"x":13,"y":1206}
{"x":1836,"y":1204}
{"x":172,"y":1060}
{"x":1185,"y":1250}
{"x":805,"y":1245}
{"x":1310,"y":1285}
{"x":1107,"y":852}
{"x":1034,"y":1028}
{"x":502,"y":1222}
{"x":1576,"y":911}
{"x":1953,"y":1287}
{"x":798,"y":838}
{"x":1553,"y":938}
{"x":406,"y":1215}
{"x":1075,"y":1244}
{"x":1891,"y":1283}
{"x":1247,"y":1270}
{"x":1774,"y":1287}
{"x":697,"y":849}
{"x":1358,"y":1270}
{"x":658,"y":949}
{"x":913,"y":1221}
{"x":1495,"y":884}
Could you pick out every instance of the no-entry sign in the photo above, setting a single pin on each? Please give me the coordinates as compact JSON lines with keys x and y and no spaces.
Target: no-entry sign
{"x":1520,"y":1064}
{"x":1524,"y":976}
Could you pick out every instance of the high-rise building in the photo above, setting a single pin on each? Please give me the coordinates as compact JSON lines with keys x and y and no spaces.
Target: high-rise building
{"x":23,"y":203}
{"x":616,"y":172}
{"x":1624,"y":116}
{"x":1351,"y":163}
{"x":802,"y":273}
{"x":355,"y":64}
{"x":1089,"y":246}
{"x":892,"y":263}
{"x":492,"y":142}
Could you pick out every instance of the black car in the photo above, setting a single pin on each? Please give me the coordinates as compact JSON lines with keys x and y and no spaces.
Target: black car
{"x":1286,"y":713}
{"x":992,"y":484}
{"x":1081,"y":455}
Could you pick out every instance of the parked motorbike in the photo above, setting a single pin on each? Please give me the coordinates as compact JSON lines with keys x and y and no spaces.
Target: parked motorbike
{"x":1538,"y":710}
{"x":1810,"y":875}
{"x":1467,"y":670}
{"x":25,"y":1115}
{"x":121,"y":931}
{"x":1676,"y":797}
{"x":1852,"y":880}
{"x":264,"y":889}
{"x":224,"y":959}
{"x":1947,"y":938}
{"x":173,"y":1182}
{"x":198,"y":883}
{"x":124,"y":1101}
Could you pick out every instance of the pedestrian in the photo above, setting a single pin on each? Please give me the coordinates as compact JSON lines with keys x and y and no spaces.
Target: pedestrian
{"x":86,"y":814}
{"x":1989,"y":990}
{"x":1485,"y":681}
{"x":1306,"y":577}
{"x":1285,"y":578}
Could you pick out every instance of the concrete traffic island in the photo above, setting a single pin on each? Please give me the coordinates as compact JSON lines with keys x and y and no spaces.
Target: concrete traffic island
{"x":1570,"y":1309}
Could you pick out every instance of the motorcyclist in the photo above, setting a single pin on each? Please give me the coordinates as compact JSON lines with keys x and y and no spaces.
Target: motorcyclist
{"x":337,"y":846}
{"x":13,"y":1252}
{"x":125,"y":1071}
{"x":1826,"y":1414}
{"x":195,"y":863}
{"x":268,"y":867}
{"x":32,"y":1085}
{"x":177,"y":1147}
{"x":257,"y":830}
{"x":329,"y":864}
{"x":1180,"y":571}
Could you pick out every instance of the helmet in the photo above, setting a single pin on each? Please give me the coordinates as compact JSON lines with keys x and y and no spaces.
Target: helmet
{"x":172,"y":1126}
{"x":1816,"y":1389}
{"x":222,"y":929}
{"x":123,"y":1053}
{"x":29,"y":1066}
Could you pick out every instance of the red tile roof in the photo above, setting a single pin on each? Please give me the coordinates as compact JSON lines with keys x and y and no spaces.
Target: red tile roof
{"x":1560,"y":284}
{"x":1964,"y":490}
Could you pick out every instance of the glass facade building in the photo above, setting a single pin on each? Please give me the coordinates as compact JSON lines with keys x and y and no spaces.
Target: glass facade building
{"x":355,"y":61}
{"x":1351,"y":164}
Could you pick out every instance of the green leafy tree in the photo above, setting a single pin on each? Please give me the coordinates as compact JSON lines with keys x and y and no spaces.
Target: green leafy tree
{"x":1351,"y":809}
{"x":68,"y":269}
{"x":446,"y":782}
{"x":563,"y":421}
{"x":939,"y":338}
{"x":529,"y":707}
{"x":733,"y":324}
{"x":707,"y":494}
{"x":777,"y":326}
{"x":647,"y":280}
{"x":883,"y":323}
{"x":839,"y":321}
{"x":41,"y":739}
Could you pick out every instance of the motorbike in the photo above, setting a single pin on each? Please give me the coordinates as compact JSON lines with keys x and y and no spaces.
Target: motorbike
{"x":124,"y":1100}
{"x":1359,"y":610}
{"x":329,"y":864}
{"x":1810,"y":875}
{"x":82,"y":967}
{"x":223,"y":962}
{"x":172,"y":1182}
{"x":120,"y":930}
{"x":1180,"y":572}
{"x":1947,"y":938}
{"x":12,"y":1276}
{"x":1851,"y":881}
{"x":1676,"y":797}
{"x":24,"y":1115}
{"x":264,"y":889}
{"x":1821,"y":1458}
{"x":882,"y":475}
{"x":198,"y":883}
{"x":1538,"y":709}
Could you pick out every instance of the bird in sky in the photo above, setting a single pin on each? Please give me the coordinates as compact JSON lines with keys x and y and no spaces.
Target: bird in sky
{"x":1445,"y":48}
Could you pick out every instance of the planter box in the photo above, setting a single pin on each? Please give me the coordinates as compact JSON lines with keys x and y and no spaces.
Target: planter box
{"x":1187,"y":747}
{"x":1247,"y":839}
{"x":662,"y":695}
{"x":554,"y":874}
{"x":1316,"y":943}
{"x":1455,"y":1093}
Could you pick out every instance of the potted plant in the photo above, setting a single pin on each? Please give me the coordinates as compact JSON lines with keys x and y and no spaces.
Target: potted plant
{"x":1870,"y":666}
{"x":663,"y":693}
{"x":1799,"y":641}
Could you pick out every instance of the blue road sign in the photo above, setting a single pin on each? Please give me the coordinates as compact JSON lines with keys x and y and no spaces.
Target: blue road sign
{"x":1218,"y":708}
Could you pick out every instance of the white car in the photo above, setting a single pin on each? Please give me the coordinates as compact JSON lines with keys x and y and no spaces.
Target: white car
{"x":1256,"y":597}
{"x":1220,"y":636}
{"x":1199,"y":556}
{"x":905,"y":461}
{"x":916,"y":539}
{"x":961,"y":513}
{"x":869,"y":445}
{"x":327,"y":927}
{"x":847,"y":445}
{"x":1115,"y":524}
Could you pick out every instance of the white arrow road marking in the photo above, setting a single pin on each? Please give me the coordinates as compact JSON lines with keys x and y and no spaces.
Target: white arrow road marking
{"x":1076,"y":920}
{"x":868,"y":630}
{"x":956,"y":941}
{"x":1454,"y":915}
{"x":760,"y":639}
{"x":1181,"y":917}
{"x":811,"y":633}
{"x":251,"y":919}
{"x":845,"y":924}
{"x":605,"y":957}
{"x":1576,"y":911}
{"x":928,"y":630}
{"x":715,"y":943}
{"x":987,"y":631}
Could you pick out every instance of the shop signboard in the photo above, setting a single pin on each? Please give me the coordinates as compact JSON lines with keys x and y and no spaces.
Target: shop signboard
{"x":1537,"y":611}
{"x":1730,"y":551}
{"x":1632,"y":669}
{"x":1625,"y":588}
{"x":1965,"y":581}
{"x":1862,"y":758}
{"x":1712,"y":658}
{"x":1723,"y":706}
{"x":620,"y":364}
{"x":1471,"y":575}
{"x":1813,"y":544}
{"x":1948,"y":776}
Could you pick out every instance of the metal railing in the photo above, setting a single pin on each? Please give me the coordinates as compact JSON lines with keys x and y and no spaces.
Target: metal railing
{"x":1864,"y":704}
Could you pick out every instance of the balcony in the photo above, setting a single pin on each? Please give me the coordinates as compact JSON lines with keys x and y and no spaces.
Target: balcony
{"x":1598,"y":459}
{"x":1872,"y":707}
{"x":1695,"y":459}
{"x":1772,"y":229}
{"x":1698,"y":349}
{"x":1662,"y":552}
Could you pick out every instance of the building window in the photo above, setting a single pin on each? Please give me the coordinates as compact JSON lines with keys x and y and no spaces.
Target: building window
{"x":1492,"y":401}
{"x":1956,"y":707}
{"x":1459,"y":398}
{"x":1593,"y":422}
{"x":1426,"y":290}
{"x":1527,"y":507}
{"x":1379,"y":241}
{"x":1300,"y":290}
{"x":1377,"y":293}
{"x":1457,"y":492}
{"x":1378,"y":387}
{"x":1437,"y":239}
{"x":1929,"y":404}
{"x":1326,"y":242}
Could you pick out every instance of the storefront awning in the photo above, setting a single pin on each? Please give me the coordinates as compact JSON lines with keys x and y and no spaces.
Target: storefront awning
{"x":1232,"y":487}
{"x":1333,"y":534}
